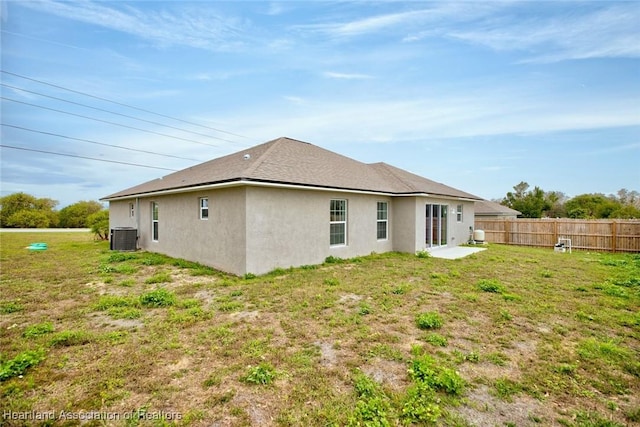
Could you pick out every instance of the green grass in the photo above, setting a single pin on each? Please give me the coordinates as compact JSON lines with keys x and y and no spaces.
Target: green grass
{"x":347,"y":342}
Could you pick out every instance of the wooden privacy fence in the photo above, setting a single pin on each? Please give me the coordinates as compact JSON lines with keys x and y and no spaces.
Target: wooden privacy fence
{"x":597,"y":235}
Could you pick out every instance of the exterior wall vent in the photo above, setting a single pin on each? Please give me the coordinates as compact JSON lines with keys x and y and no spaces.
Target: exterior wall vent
{"x":123,"y":239}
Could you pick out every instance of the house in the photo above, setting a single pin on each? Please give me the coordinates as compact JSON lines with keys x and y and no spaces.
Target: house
{"x":289,"y":203}
{"x":484,"y":209}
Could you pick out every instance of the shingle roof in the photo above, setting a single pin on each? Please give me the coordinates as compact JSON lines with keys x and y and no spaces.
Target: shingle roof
{"x":485,"y":207}
{"x":288,"y":161}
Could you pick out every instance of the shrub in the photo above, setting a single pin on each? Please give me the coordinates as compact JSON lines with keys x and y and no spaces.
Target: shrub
{"x":333,"y":260}
{"x":158,"y":298}
{"x":429,"y":320}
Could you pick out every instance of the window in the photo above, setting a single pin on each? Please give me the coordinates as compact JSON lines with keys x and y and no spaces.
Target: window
{"x":154,"y":221}
{"x":204,"y":208}
{"x":338,"y":222}
{"x":459,"y":214}
{"x":132,"y":210}
{"x":383,"y":217}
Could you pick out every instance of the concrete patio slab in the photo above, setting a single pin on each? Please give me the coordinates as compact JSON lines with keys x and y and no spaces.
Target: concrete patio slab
{"x":454,"y":252}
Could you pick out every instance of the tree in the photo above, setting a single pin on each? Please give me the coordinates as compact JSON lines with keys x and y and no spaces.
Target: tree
{"x":530,"y":203}
{"x":22,"y":210}
{"x":592,"y":206}
{"x":99,"y":223}
{"x":76,"y":215}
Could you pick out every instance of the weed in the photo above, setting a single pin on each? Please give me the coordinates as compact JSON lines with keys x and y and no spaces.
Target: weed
{"x":400,"y":289}
{"x":158,"y":298}
{"x":70,"y":338}
{"x":8,"y":307}
{"x":332,"y":281}
{"x":364,"y":309}
{"x":124,"y":312}
{"x":333,"y":260}
{"x":429,"y":320}
{"x":490,"y":285}
{"x":163,"y":277}
{"x":372,"y":407}
{"x":262,"y":374}
{"x":249,"y":276}
{"x":505,"y":389}
{"x":424,"y":369}
{"x":436,"y":339}
{"x":38,"y":329}
{"x":423,"y":254}
{"x":547,"y":274}
{"x":121,"y":257}
{"x":107,"y":302}
{"x":566,"y":368}
{"x":19,"y":364}
{"x":499,"y":359}
{"x":420,"y":405}
{"x":505,"y":316}
{"x":236,"y":293}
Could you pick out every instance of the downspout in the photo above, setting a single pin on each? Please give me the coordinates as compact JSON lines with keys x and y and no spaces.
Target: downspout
{"x":137,"y":221}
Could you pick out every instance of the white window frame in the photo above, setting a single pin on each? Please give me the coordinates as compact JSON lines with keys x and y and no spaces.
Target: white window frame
{"x":384,"y":220}
{"x":204,"y":207}
{"x":459,"y":216}
{"x":338,"y":217}
{"x":132,"y":210}
{"x":155,"y":222}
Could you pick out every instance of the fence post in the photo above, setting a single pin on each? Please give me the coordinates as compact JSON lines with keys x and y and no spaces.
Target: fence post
{"x":506,"y":231}
{"x":614,"y":236}
{"x":555,"y":231}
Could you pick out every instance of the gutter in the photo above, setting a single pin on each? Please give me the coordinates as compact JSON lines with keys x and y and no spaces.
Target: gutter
{"x":249,"y":182}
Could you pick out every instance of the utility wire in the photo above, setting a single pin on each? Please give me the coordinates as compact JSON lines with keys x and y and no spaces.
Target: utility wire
{"x":122,"y":104}
{"x":116,"y":113}
{"x":87,"y":158}
{"x":95,"y":142}
{"x":107,"y":121}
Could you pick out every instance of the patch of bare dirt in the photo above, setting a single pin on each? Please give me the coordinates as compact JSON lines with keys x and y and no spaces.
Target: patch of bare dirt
{"x":245,"y":315}
{"x":349,"y":298}
{"x":483,"y":409}
{"x":102,"y":321}
{"x":387,"y":372}
{"x":328,"y":354}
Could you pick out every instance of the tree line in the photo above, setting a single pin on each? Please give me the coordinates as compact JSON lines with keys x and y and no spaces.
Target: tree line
{"x":22,"y":210}
{"x":537,"y":203}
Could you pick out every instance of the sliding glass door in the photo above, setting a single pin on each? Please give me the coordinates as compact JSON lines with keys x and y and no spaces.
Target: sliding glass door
{"x":436,"y":225}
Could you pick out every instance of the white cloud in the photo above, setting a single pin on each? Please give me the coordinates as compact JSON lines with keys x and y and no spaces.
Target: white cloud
{"x":199,"y":27}
{"x":604,"y":33}
{"x":346,"y":76}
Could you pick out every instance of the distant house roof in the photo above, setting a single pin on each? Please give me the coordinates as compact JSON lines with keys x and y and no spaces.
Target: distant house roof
{"x":488,"y":208}
{"x":291,"y":162}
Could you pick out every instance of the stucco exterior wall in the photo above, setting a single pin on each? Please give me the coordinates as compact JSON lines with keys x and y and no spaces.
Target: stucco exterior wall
{"x":255,"y":229}
{"x":290,"y":227}
{"x":218,"y":241}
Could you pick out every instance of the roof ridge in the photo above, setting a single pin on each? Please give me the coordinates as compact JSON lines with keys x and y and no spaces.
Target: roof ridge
{"x":251,"y":169}
{"x":390,"y":170}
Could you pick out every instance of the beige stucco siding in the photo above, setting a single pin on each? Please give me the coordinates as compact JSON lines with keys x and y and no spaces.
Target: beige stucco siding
{"x":218,"y":241}
{"x":290,"y":227}
{"x":255,"y":229}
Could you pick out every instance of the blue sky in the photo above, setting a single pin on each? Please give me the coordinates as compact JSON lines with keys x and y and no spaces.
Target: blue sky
{"x":477,"y":95}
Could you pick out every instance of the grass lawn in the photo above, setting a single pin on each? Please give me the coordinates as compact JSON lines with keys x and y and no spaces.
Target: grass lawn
{"x":508,"y":336}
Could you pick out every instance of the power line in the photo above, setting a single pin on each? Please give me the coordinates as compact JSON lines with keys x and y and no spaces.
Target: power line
{"x":116,"y":113}
{"x":122,"y":104}
{"x":87,"y":158}
{"x":97,"y":143}
{"x":107,"y":121}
